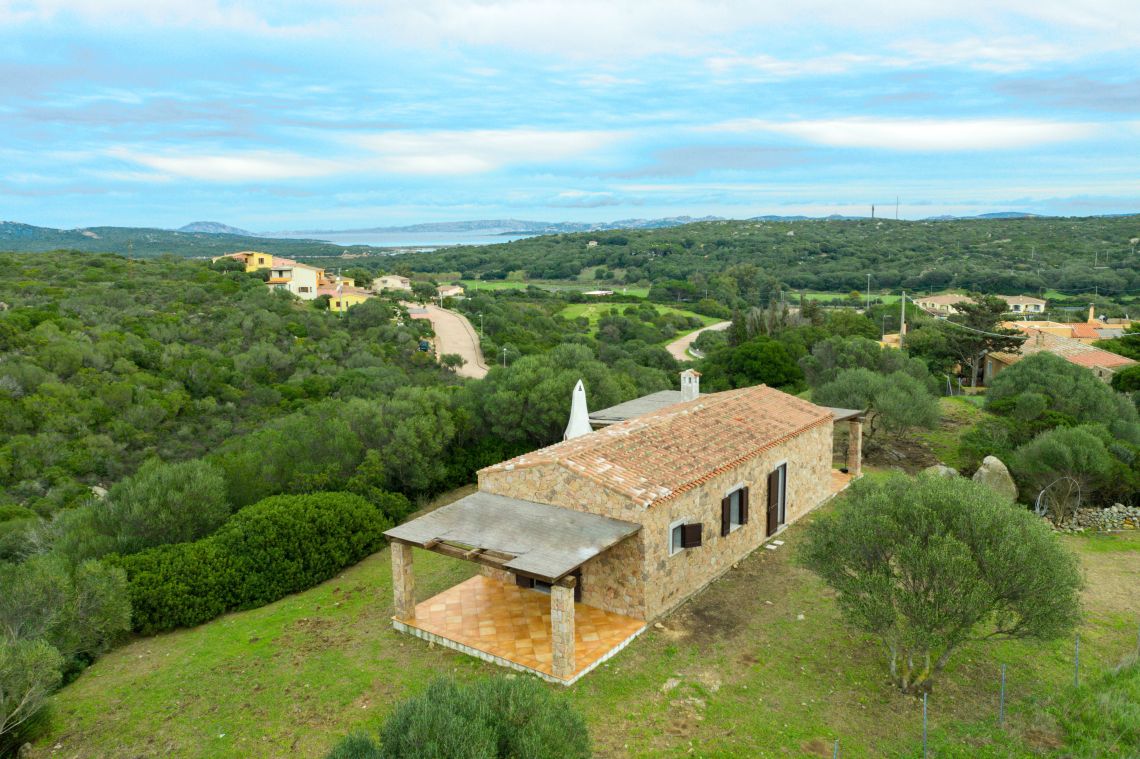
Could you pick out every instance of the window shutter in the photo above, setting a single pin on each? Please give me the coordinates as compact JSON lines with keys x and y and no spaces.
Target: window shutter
{"x":725,"y":515}
{"x":744,"y":505}
{"x":524,"y":582}
{"x":691,"y":535}
{"x":774,"y":489}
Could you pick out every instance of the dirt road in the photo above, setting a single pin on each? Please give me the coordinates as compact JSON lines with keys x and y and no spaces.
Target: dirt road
{"x":679,"y":348}
{"x":454,"y":334}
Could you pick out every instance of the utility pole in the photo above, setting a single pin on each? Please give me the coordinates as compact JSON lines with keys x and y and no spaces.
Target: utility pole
{"x":902,"y":319}
{"x":896,"y":208}
{"x":868,"y":293}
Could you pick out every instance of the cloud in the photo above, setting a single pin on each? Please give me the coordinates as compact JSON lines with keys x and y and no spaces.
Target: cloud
{"x":1076,"y":91}
{"x":477,"y":151}
{"x":919,"y":134}
{"x":252,"y":166}
{"x":690,"y":160}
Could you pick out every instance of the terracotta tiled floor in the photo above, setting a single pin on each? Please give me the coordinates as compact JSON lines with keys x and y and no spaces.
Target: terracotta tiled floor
{"x":839,"y":480}
{"x":514,"y":623}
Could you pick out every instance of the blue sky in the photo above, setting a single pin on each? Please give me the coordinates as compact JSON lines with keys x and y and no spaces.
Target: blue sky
{"x":351,"y":113}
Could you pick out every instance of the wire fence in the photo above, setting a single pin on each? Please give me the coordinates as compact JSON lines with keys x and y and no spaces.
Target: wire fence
{"x":1086,"y":699}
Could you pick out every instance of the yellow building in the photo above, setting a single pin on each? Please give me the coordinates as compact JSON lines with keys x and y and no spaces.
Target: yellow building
{"x":343,"y":298}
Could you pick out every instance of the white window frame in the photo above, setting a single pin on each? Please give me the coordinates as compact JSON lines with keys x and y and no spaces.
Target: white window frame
{"x":734,"y":526}
{"x":673,"y":526}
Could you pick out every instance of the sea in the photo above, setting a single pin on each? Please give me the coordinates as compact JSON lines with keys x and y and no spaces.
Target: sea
{"x":417,"y":240}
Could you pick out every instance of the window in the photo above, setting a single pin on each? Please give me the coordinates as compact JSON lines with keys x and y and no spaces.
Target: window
{"x":682,"y":536}
{"x":734,"y":510}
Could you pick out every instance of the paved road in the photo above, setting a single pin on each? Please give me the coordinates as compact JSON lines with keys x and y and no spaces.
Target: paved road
{"x":454,"y":334}
{"x":679,"y":348}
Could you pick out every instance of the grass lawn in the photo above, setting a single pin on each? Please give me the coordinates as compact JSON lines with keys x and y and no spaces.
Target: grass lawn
{"x":595,"y":311}
{"x":832,"y":296}
{"x":757,"y":665}
{"x":959,"y":413}
{"x":471,"y":285}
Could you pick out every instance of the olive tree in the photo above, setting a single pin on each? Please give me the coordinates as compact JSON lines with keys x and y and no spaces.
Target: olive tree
{"x":29,"y":671}
{"x":896,"y":402}
{"x":926,"y":564}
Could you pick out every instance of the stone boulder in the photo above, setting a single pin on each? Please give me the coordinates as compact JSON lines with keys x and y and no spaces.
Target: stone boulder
{"x":994,"y":475}
{"x":941,"y":470}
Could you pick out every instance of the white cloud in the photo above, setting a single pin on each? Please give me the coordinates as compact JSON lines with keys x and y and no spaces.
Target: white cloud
{"x":252,"y":166}
{"x":477,"y":151}
{"x":919,"y":134}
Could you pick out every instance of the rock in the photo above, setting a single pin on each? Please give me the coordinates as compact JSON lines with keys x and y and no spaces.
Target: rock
{"x":670,"y":684}
{"x":994,"y":475}
{"x":941,"y":470}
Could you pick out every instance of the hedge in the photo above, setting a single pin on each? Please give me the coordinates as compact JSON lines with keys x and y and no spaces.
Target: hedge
{"x":277,"y":546}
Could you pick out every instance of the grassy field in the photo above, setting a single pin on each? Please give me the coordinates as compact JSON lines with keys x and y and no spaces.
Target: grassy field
{"x":595,"y":311}
{"x":832,"y":296}
{"x":758,"y":665}
{"x":472,"y":285}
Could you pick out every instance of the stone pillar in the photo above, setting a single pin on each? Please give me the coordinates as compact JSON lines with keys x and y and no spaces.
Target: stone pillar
{"x":403,"y":581}
{"x":562,"y":628}
{"x":855,"y":447}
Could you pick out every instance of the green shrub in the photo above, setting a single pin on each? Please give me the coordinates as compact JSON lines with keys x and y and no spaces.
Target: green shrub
{"x":507,"y":716}
{"x":277,"y":546}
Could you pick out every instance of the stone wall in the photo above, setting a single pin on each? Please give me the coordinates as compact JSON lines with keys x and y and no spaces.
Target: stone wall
{"x":673,"y":579}
{"x":638,"y":577}
{"x":614,"y":580}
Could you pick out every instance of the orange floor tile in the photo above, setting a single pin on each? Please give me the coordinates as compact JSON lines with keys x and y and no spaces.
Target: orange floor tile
{"x":513,"y":623}
{"x":839,"y":481}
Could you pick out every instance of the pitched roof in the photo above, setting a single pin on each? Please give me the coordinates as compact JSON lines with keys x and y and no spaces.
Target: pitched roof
{"x":1084,"y":330}
{"x":944,"y":300}
{"x":1025,"y":300}
{"x":669,"y":451}
{"x":1067,"y":348}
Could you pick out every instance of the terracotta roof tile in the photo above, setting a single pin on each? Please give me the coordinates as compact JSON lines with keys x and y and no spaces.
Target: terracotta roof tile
{"x":667,"y":452}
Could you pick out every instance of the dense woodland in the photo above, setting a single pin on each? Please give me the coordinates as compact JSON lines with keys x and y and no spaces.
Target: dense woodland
{"x":1096,"y":254}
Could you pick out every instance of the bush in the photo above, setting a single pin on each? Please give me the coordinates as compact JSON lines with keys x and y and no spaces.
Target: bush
{"x":496,"y":717}
{"x":277,"y":546}
{"x":898,"y":402}
{"x":926,"y":564}
{"x":164,"y":503}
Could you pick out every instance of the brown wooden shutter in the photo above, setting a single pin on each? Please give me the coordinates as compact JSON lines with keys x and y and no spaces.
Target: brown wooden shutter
{"x":744,"y":505}
{"x":725,"y":515}
{"x":773,"y":522}
{"x":691,"y":535}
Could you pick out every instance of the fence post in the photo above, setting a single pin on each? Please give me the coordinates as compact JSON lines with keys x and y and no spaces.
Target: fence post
{"x":835,"y":753}
{"x":1077,"y":662}
{"x":924,"y":726}
{"x":1001,"y":703}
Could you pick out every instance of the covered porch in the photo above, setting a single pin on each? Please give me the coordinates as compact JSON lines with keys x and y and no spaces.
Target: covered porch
{"x":521,"y":612}
{"x":853,"y":456}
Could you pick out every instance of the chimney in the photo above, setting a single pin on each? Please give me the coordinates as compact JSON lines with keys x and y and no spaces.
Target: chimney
{"x":579,"y":423}
{"x":690,"y":384}
{"x":1092,"y":313}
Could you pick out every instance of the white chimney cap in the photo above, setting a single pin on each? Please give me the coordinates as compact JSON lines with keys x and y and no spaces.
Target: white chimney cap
{"x":579,"y":423}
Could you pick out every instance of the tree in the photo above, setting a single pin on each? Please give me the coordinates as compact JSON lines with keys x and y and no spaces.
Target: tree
{"x":926,"y":564}
{"x":758,"y":360}
{"x":164,"y":503}
{"x":1062,"y":393}
{"x":980,"y":332}
{"x":1076,"y":453}
{"x":896,"y":402}
{"x":29,"y":671}
{"x":487,"y":719}
{"x":835,"y":353}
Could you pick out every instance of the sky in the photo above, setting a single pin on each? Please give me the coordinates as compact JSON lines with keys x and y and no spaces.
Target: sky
{"x":341,"y":114}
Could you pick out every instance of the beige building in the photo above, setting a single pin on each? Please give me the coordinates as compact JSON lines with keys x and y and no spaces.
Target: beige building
{"x":944,"y":304}
{"x":617,"y":527}
{"x":300,"y":279}
{"x":449,"y":291}
{"x":391,"y":282}
{"x":1023,"y":304}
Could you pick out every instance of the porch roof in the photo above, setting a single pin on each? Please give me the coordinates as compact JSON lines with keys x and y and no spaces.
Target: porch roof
{"x":843,"y":414}
{"x":543,"y":541}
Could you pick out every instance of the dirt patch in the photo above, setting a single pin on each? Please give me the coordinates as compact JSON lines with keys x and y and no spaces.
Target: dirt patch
{"x":909,"y":454}
{"x":1111,"y":580}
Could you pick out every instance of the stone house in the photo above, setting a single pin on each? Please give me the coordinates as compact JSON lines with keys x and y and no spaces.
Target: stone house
{"x":619,"y":525}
